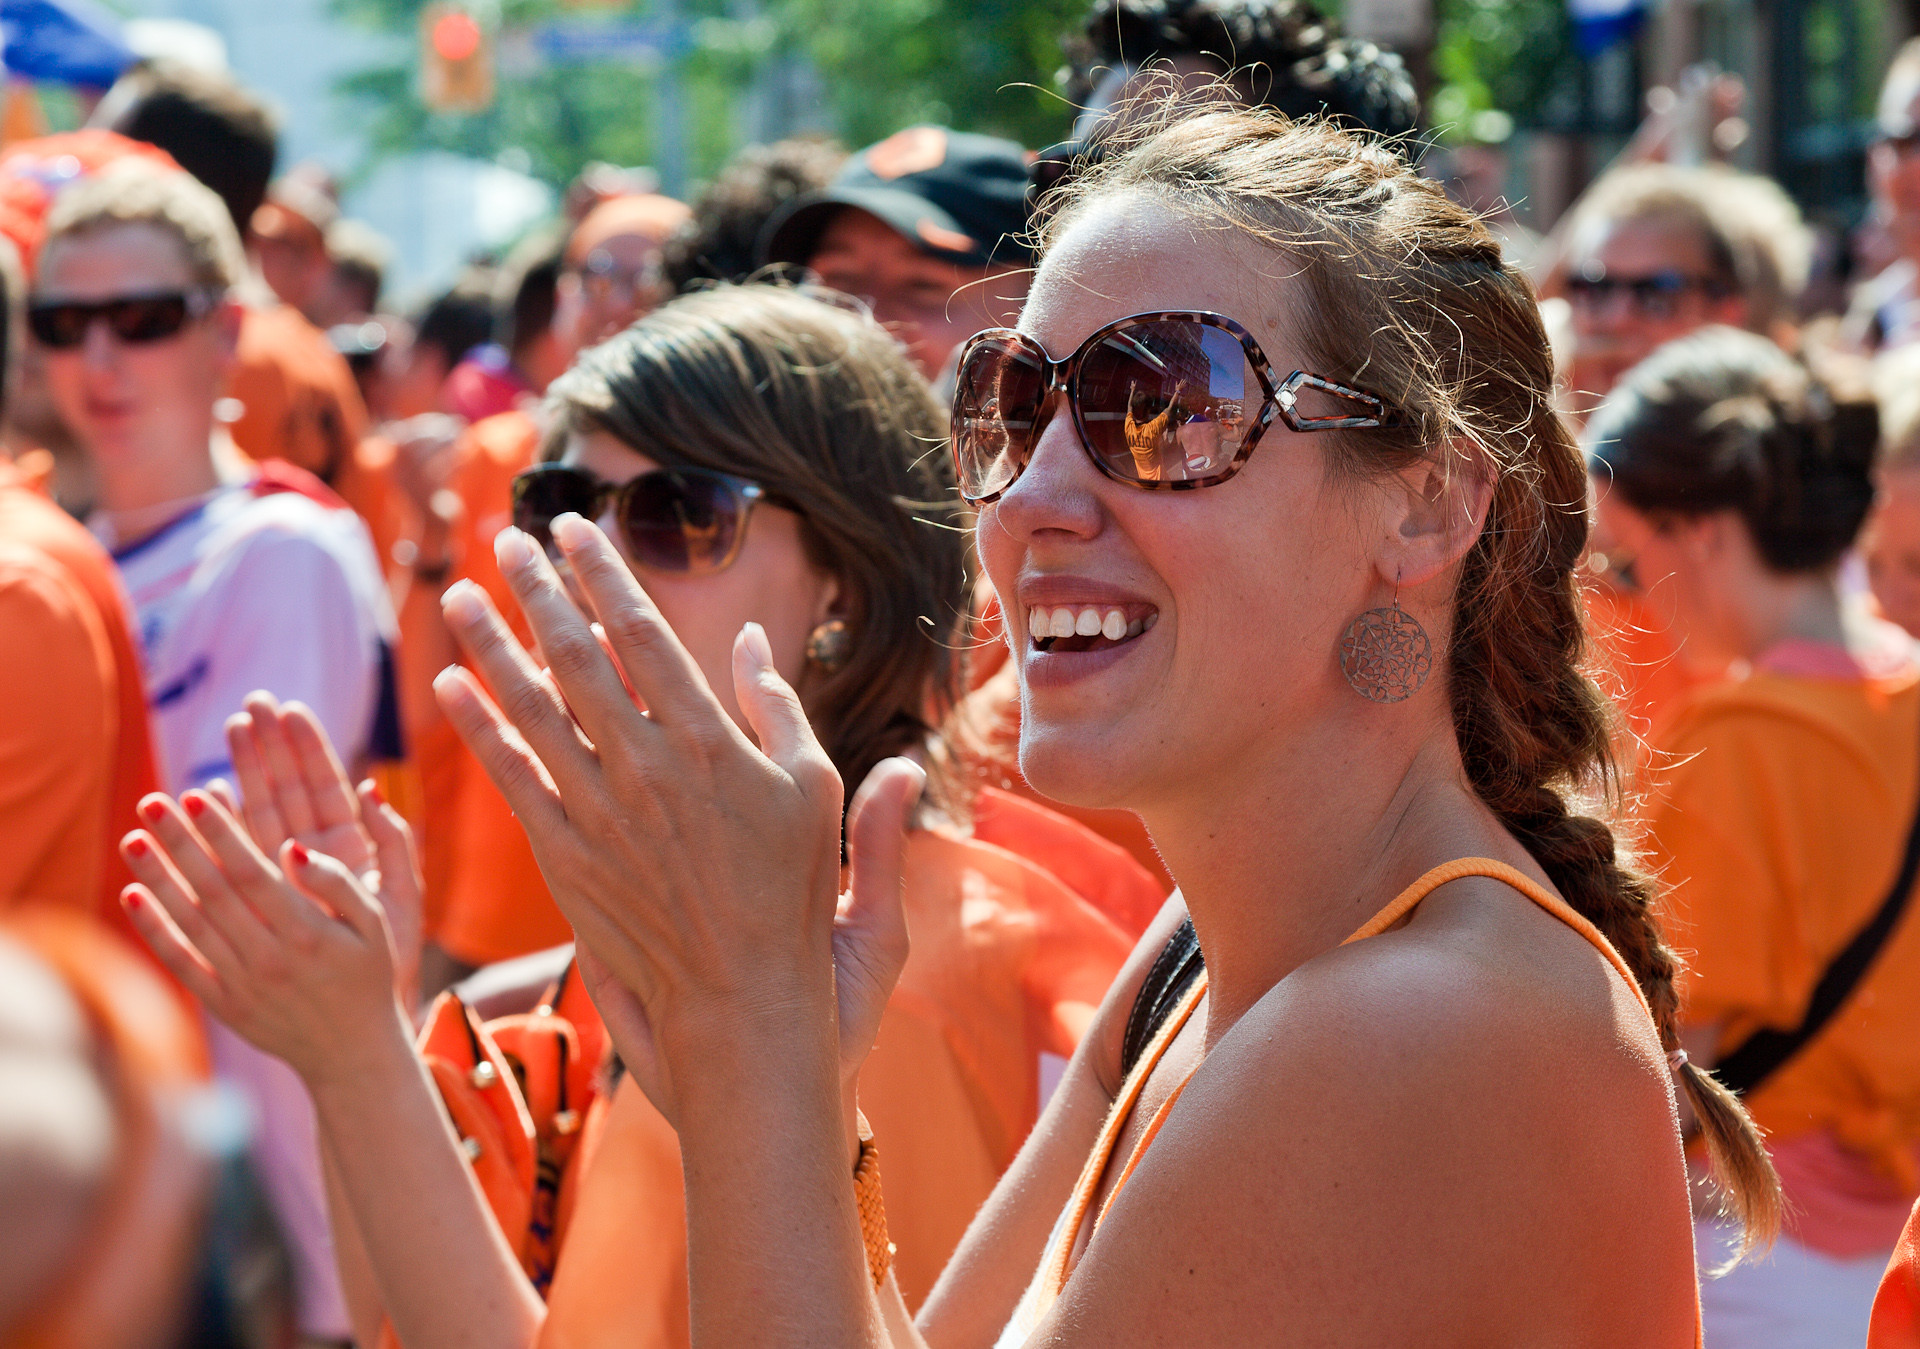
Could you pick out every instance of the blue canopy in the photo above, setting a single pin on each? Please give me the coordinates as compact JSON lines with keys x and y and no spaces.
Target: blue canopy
{"x":62,"y":41}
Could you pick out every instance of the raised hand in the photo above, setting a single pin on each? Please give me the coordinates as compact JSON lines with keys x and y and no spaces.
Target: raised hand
{"x":701,"y":871}
{"x":294,"y":787}
{"x":295,"y":957}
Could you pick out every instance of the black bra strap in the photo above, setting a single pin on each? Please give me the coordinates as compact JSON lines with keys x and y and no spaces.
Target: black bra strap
{"x":1172,"y":974}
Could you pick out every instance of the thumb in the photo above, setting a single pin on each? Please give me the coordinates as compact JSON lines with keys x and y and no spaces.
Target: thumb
{"x":771,"y":707}
{"x":877,"y":848}
{"x":328,"y":880}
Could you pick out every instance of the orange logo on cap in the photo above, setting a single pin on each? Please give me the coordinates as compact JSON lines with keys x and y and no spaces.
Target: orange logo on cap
{"x":951,"y":240}
{"x":914,"y":150}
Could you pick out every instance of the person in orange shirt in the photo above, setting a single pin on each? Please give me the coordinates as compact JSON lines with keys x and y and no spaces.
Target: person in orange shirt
{"x":76,"y":752}
{"x":783,"y":482}
{"x":1783,"y":799}
{"x":1896,"y":1307}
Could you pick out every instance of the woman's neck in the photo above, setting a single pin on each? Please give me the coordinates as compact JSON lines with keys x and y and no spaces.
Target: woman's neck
{"x":142,"y":497}
{"x":1286,"y":860}
{"x":1798,"y":606}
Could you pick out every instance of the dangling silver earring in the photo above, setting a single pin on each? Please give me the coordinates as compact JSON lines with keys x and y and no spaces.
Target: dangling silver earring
{"x":829,"y":646}
{"x":1386,"y":654}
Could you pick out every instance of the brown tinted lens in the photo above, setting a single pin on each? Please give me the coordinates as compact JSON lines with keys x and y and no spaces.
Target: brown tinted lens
{"x":995,"y":400}
{"x":546,"y":490}
{"x":681,"y":520}
{"x":1169,"y":401}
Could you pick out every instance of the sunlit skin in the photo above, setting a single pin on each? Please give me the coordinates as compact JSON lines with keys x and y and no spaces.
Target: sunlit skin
{"x":931,"y":305}
{"x":771,"y":581}
{"x":144,"y":412}
{"x":1893,"y":173}
{"x":1891,"y":546}
{"x":296,"y":269}
{"x":1613,"y":336}
{"x":590,"y":311}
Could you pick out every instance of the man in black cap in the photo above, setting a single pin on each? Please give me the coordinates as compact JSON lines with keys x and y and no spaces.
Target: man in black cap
{"x":929,"y":228}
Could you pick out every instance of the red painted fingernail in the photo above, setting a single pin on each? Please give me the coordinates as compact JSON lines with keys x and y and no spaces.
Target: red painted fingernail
{"x":196,"y":807}
{"x":373,"y":790}
{"x":299,"y":855}
{"x":130,"y":897}
{"x":153,"y":810}
{"x":137,"y":846}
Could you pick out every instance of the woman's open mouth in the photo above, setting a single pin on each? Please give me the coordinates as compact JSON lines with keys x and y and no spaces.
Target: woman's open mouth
{"x":1087,"y":627}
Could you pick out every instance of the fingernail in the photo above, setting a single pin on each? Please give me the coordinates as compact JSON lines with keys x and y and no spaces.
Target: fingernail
{"x":130,"y":897}
{"x":152,"y":810}
{"x":758,"y":646}
{"x":136,"y":846}
{"x":461,"y":604}
{"x":512,"y":549}
{"x":195,"y":806}
{"x":299,"y":853}
{"x":569,"y":530}
{"x":373,"y":790}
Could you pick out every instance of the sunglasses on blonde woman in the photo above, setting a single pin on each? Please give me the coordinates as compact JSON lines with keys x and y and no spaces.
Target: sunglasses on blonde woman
{"x":688,"y":520}
{"x":1163,"y":402}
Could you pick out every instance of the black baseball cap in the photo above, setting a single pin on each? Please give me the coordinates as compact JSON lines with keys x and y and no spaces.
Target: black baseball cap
{"x":957,"y":196}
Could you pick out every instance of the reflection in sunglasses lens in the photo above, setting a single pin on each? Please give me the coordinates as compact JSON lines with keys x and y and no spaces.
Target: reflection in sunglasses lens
{"x":680,"y":521}
{"x":1165,"y":402}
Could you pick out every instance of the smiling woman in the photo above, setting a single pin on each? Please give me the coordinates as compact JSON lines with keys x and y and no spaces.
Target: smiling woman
{"x":1436,"y":1008}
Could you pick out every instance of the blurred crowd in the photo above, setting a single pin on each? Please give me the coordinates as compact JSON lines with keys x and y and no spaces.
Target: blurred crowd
{"x":236,"y":485}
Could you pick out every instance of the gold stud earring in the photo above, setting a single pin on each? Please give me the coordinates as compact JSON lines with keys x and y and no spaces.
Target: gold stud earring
{"x":829,"y":646}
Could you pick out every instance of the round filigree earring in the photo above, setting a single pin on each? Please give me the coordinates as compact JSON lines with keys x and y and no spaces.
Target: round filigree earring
{"x":1385,"y":654}
{"x":830,"y":646}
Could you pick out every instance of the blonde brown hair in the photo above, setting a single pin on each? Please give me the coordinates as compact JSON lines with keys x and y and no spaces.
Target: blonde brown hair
{"x":802,"y":392}
{"x":1405,"y":293}
{"x":137,"y":192}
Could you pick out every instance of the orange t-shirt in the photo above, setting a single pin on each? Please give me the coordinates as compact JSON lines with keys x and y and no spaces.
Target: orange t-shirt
{"x":1778,"y":821}
{"x":1007,"y":963}
{"x":297,"y":393}
{"x":492,"y":902}
{"x":76,"y":750}
{"x":1896,"y":1310}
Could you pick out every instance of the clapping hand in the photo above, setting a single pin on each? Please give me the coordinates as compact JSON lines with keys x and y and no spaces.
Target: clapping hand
{"x":701,"y":868}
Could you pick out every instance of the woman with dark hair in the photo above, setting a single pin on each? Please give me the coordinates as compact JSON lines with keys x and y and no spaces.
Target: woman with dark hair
{"x":1422,"y":1090}
{"x":761,"y":455}
{"x":1736,"y":481}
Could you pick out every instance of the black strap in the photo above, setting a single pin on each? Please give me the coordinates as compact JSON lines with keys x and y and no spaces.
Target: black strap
{"x":1761,"y":1054}
{"x":1171,"y":975}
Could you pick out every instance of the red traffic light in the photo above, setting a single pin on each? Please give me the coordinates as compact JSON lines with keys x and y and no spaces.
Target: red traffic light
{"x":456,"y":36}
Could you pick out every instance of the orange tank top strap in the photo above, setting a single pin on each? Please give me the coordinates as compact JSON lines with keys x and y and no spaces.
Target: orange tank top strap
{"x":1053,"y":1276}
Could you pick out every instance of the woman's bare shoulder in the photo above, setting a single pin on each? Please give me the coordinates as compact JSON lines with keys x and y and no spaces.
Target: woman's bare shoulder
{"x":1453,"y":1125}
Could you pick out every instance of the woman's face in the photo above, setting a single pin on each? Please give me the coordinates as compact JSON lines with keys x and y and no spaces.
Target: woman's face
{"x":1689,"y":573}
{"x":1233,"y":597}
{"x":771,"y":581}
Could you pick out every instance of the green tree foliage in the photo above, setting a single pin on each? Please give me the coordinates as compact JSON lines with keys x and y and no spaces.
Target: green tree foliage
{"x":980,"y":65}
{"x":1508,"y":56}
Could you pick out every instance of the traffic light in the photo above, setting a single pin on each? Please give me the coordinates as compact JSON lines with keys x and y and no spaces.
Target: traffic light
{"x":456,"y":60}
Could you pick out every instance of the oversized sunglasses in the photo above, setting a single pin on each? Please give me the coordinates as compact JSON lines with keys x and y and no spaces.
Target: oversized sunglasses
{"x":63,"y":324}
{"x":1657,"y":295}
{"x":671,"y":519}
{"x":1164,"y":402}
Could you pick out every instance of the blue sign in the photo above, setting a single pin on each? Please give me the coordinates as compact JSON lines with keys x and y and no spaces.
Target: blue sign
{"x":63,"y":41}
{"x":570,"y":42}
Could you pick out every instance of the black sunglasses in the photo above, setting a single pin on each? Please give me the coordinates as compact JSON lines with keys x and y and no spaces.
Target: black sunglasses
{"x":1162,"y":402}
{"x":671,"y":519}
{"x":1656,"y":295}
{"x":62,"y":324}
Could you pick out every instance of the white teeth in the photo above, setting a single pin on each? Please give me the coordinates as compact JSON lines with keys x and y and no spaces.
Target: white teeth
{"x":1062,"y":623}
{"x":1088,"y":623}
{"x":1044,"y":624}
{"x":1115,"y":626}
{"x":1039,"y":624}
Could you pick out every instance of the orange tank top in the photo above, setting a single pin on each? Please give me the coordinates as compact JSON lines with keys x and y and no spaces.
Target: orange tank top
{"x":1051,"y":1277}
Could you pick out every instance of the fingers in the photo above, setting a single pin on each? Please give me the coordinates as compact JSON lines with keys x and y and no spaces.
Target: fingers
{"x":282,"y":764}
{"x":521,"y":776}
{"x":155,"y":871}
{"x":173,"y":950}
{"x":331,"y":795}
{"x":525,"y":699}
{"x":249,"y":872}
{"x":393,"y":850}
{"x":586,"y":678}
{"x":877,"y":849}
{"x":666,"y":679}
{"x":213,"y":894}
{"x":328,"y":881}
{"x":262,"y":807}
{"x":222,"y":791}
{"x":773,"y":710}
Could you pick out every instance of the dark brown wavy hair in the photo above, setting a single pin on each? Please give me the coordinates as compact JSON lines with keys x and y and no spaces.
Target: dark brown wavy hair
{"x":800,"y":391}
{"x":1405,"y":293}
